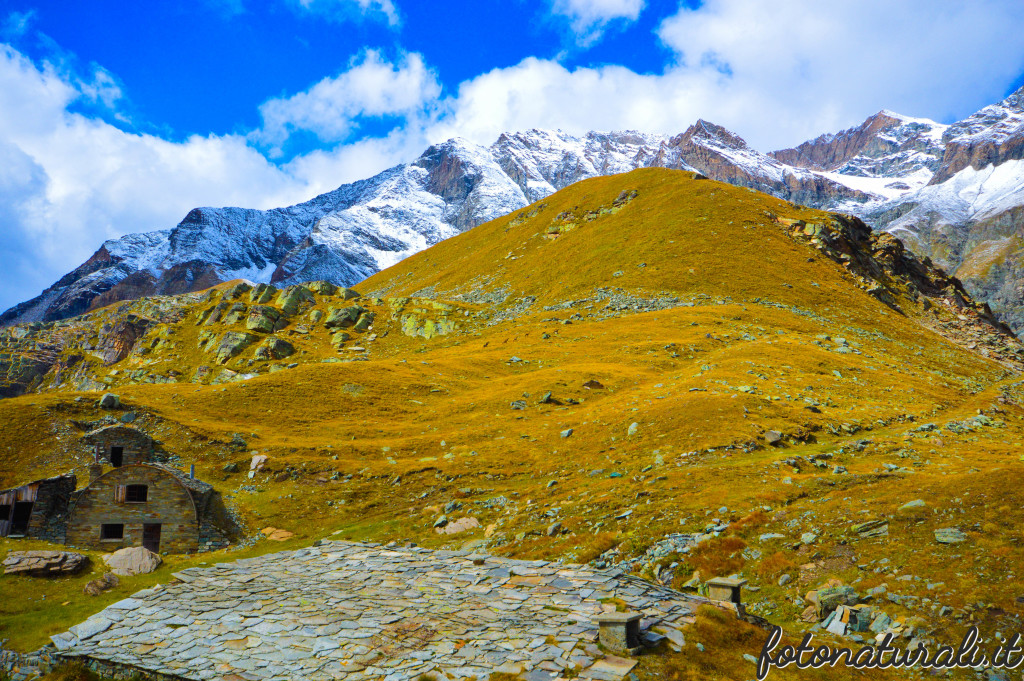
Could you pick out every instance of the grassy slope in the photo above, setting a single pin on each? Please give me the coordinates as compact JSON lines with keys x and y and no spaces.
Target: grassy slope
{"x":434,"y":414}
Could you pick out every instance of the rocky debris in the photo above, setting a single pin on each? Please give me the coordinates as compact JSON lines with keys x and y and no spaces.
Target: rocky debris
{"x":593,"y":385}
{"x":913,"y":505}
{"x":773,"y":437}
{"x":365,"y":612}
{"x":517,"y":405}
{"x":110,"y":401}
{"x":258,"y":462}
{"x":131,"y":561}
{"x":230,"y":468}
{"x":949,"y":535}
{"x":97,"y":586}
{"x":43,"y":563}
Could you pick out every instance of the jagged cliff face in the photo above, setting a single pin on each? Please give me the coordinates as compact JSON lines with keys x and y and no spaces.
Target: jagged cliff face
{"x":886,"y":144}
{"x":992,"y":136}
{"x":953,"y":193}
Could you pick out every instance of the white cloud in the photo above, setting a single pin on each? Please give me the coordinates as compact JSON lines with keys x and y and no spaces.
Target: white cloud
{"x":589,"y":18}
{"x":331,"y":109}
{"x":343,"y":10}
{"x":67,"y":181}
{"x":801,"y":66}
{"x":776,"y":73}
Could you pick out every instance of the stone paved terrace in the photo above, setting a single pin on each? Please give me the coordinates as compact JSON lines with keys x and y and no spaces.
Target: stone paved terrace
{"x":354,"y":611}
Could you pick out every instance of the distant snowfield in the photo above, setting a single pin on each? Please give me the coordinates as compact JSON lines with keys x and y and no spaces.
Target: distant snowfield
{"x":970,"y":195}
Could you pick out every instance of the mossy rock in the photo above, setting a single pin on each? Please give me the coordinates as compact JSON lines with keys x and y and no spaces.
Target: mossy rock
{"x":323,"y":288}
{"x":263,"y":319}
{"x":343,"y":317}
{"x":232,"y":344}
{"x":295,"y":299}
{"x":263,"y":293}
{"x":274,"y":348}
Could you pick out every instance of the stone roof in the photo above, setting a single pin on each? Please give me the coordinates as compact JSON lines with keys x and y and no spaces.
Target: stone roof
{"x":194,"y":485}
{"x":115,"y":426}
{"x":346,"y":610}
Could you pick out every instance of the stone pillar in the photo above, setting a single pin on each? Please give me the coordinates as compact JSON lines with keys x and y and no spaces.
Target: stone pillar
{"x":619,"y":631}
{"x":725,"y":589}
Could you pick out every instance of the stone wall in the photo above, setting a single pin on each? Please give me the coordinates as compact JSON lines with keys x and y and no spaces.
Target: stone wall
{"x":169,"y":503}
{"x":138,"y":447}
{"x":49,"y":500}
{"x":123,"y":672}
{"x":15,"y":666}
{"x":50,"y":511}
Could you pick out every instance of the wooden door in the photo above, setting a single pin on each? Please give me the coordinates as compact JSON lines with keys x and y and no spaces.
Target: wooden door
{"x":151,"y":537}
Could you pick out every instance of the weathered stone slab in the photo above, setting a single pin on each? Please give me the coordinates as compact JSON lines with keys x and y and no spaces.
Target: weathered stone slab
{"x":43,"y":563}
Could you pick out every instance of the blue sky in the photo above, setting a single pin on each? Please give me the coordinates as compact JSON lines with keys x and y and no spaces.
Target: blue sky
{"x":118,"y":117}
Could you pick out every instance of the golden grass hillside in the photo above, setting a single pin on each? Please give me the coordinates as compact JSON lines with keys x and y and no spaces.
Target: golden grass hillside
{"x":635,"y":356}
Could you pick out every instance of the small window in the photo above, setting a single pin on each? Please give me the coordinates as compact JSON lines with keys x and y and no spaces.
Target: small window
{"x":112,"y":531}
{"x":136,"y":494}
{"x":116,"y":456}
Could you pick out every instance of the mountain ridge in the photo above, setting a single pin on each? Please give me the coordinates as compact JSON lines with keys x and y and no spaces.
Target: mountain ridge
{"x":886,"y":171}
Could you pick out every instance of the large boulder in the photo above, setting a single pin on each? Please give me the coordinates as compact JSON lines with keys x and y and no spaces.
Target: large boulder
{"x":274,"y":348}
{"x":343,"y":317}
{"x":295,"y":299}
{"x":233,"y":343}
{"x":110,"y":401}
{"x":134,"y":560}
{"x":324,"y":288}
{"x":364,"y":322}
{"x":263,"y":293}
{"x":264,"y":319}
{"x":44,"y":563}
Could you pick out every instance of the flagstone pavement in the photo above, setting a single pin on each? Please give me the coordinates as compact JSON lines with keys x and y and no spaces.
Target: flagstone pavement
{"x":355,"y":611}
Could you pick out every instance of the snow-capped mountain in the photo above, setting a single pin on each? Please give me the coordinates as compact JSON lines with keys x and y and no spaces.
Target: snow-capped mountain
{"x":954,"y":193}
{"x":360,"y":228}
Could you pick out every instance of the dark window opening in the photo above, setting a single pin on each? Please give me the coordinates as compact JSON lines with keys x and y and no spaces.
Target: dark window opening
{"x":136,"y":493}
{"x":19,"y":519}
{"x":112,"y":531}
{"x":116,"y":456}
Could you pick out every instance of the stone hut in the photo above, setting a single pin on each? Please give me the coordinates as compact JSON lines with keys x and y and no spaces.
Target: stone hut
{"x":146,"y":504}
{"x":120,"y":445}
{"x":131,"y":500}
{"x":37,"y":509}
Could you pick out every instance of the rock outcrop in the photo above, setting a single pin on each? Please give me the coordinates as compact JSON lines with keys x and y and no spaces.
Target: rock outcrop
{"x":44,"y":563}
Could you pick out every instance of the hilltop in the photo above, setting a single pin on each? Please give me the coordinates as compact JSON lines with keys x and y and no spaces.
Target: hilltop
{"x":651,"y":368}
